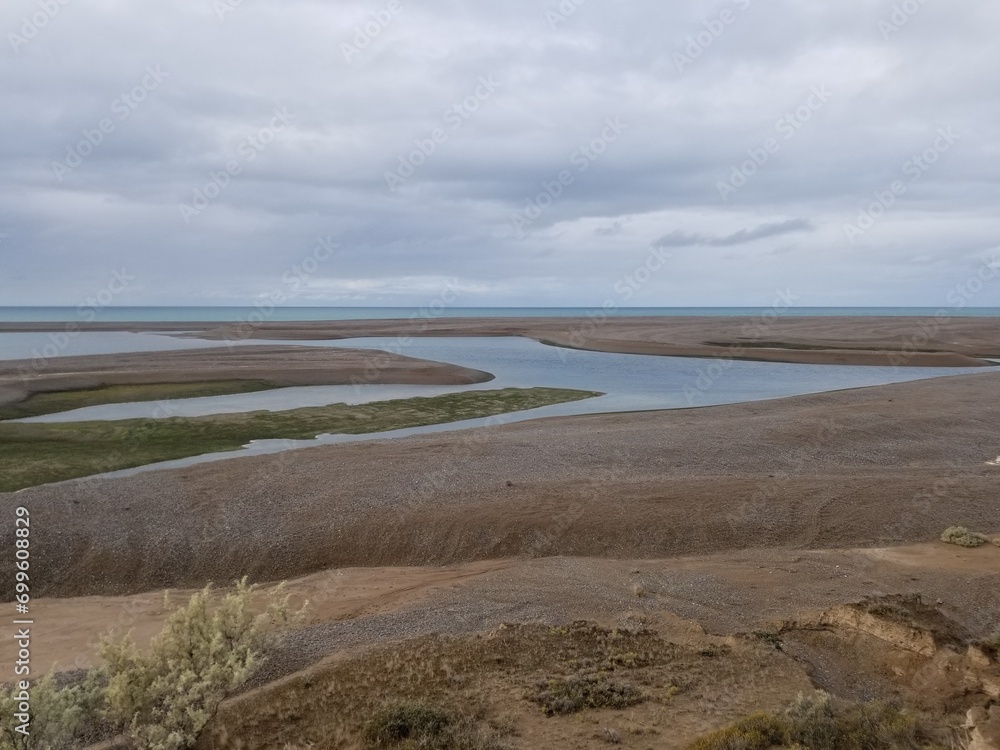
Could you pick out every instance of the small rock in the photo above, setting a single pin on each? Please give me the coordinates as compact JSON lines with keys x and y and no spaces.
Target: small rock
{"x":985,"y":728}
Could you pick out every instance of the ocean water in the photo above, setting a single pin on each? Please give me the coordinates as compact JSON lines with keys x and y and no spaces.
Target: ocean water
{"x":287,"y":314}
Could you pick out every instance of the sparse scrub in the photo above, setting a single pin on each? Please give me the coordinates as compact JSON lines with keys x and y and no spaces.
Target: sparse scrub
{"x":36,"y":453}
{"x":419,"y":726}
{"x":163,"y":697}
{"x":565,"y":695}
{"x":758,"y":731}
{"x":159,"y":698}
{"x":963,"y":537}
{"x":58,"y":714}
{"x":819,"y":722}
{"x":50,"y":402}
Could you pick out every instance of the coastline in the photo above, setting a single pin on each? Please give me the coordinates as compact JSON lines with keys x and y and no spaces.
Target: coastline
{"x":733,"y":531}
{"x":861,"y":467}
{"x":877,"y":341}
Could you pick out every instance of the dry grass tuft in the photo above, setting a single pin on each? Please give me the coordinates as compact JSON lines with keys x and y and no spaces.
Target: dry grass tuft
{"x":417,"y":725}
{"x":819,"y":722}
{"x":567,"y":695}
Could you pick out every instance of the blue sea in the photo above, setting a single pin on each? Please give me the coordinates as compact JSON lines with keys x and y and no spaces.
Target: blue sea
{"x":290,"y":313}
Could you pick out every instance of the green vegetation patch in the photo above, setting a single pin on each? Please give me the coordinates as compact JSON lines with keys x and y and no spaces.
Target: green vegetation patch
{"x":567,"y":695}
{"x":57,"y":401}
{"x":963,"y":537}
{"x":417,"y":725}
{"x":819,"y":722}
{"x":37,"y":453}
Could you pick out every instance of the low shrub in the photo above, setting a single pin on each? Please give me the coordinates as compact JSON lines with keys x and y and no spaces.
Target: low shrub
{"x":423,"y":727}
{"x":58,"y":714}
{"x":758,"y":731}
{"x":566,"y":695}
{"x":819,"y":722}
{"x":963,"y":537}
{"x":164,"y":696}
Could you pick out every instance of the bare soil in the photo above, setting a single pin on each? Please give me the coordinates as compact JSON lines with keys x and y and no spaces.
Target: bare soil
{"x":869,"y":467}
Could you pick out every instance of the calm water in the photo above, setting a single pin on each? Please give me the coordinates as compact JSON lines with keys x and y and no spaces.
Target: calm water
{"x":287,"y":314}
{"x":631,"y":382}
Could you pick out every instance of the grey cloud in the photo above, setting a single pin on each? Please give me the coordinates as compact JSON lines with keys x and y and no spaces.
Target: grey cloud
{"x":354,"y":121}
{"x":678,"y":238}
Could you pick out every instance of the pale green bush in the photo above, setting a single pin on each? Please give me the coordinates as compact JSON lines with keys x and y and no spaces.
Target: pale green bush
{"x":164,"y":696}
{"x":57,"y":715}
{"x":160,"y":698}
{"x":963,"y":537}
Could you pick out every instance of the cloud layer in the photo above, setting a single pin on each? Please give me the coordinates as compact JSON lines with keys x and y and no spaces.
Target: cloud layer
{"x":524,"y":153}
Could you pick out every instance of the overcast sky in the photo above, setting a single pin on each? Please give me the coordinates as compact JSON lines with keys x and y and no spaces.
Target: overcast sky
{"x":500,"y":153}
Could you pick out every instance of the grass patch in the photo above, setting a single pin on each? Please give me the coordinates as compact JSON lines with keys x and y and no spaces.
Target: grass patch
{"x":819,"y":722}
{"x":963,"y":537}
{"x":567,"y":695}
{"x":491,"y":677}
{"x":32,"y":454}
{"x":52,"y":402}
{"x":417,"y":725}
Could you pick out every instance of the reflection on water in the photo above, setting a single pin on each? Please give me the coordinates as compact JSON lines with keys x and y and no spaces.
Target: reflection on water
{"x":631,"y":383}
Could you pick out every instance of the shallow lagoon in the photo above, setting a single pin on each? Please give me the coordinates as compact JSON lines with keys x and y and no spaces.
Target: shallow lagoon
{"x":631,"y":382}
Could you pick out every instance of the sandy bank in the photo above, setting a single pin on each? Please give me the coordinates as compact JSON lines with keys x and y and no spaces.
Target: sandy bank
{"x":945,"y":341}
{"x":276,"y":365}
{"x":367,"y":606}
{"x":874,"y":466}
